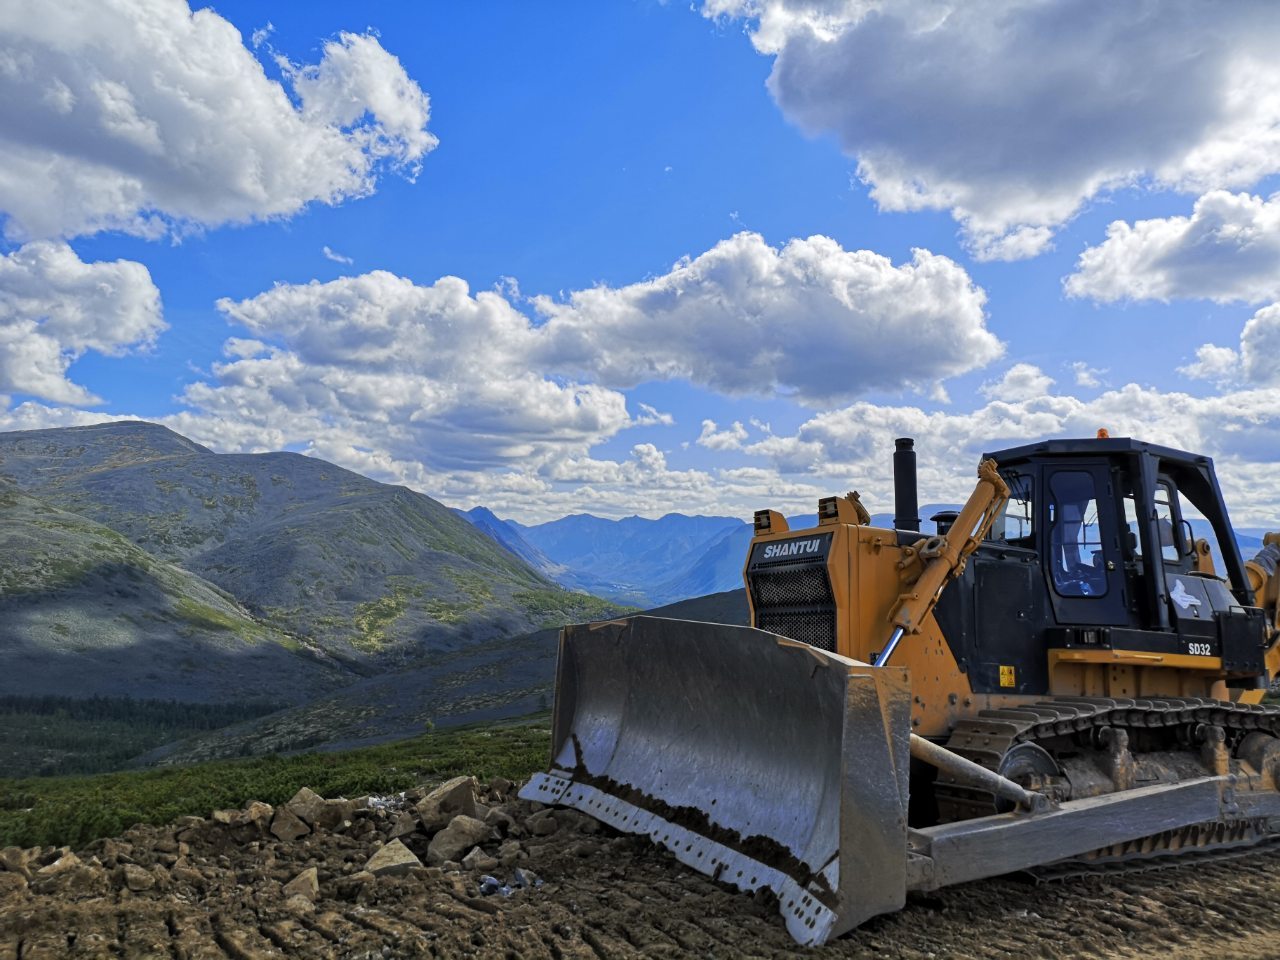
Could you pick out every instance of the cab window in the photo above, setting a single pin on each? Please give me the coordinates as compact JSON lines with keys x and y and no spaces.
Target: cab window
{"x":1014,"y":525}
{"x":1171,"y":548}
{"x":1076,"y":551}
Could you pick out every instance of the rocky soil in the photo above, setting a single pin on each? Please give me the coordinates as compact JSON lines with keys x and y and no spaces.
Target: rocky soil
{"x":466,"y":870}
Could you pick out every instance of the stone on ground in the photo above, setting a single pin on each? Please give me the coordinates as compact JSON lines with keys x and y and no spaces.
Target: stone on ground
{"x":477,"y":859}
{"x":319,"y":813}
{"x":392,"y":860}
{"x":306,"y":884}
{"x":453,"y":797}
{"x":288,"y":826}
{"x":462,"y":833}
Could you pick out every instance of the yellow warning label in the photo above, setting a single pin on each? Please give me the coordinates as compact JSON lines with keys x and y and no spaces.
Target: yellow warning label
{"x":1007,"y":678}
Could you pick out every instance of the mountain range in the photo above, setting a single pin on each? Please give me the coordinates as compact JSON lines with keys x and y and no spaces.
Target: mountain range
{"x":640,"y":561}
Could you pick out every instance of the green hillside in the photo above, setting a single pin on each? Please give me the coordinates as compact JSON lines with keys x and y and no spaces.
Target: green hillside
{"x":84,"y":611}
{"x":364,"y":570}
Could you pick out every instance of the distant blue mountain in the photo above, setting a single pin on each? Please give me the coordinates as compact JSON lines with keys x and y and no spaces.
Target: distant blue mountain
{"x":634,"y":560}
{"x":641,"y":561}
{"x":508,"y":535}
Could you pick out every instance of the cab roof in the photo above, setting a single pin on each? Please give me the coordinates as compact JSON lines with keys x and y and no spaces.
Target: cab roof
{"x":1097,"y":447}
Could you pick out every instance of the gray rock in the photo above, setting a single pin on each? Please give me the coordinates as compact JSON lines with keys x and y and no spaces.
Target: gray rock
{"x":462,"y":833}
{"x":15,"y":860}
{"x":306,"y":884}
{"x":543,"y":823}
{"x":258,"y":812}
{"x":288,"y":826}
{"x":405,"y":824}
{"x":319,"y":813}
{"x":136,"y":878}
{"x":299,"y":905}
{"x":451,"y":798}
{"x":64,"y":862}
{"x":392,"y":860}
{"x":477,"y":859}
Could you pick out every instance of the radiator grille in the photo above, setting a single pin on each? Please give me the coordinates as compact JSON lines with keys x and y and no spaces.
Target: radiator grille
{"x":817,"y":629}
{"x":791,"y":590}
{"x":793,"y":587}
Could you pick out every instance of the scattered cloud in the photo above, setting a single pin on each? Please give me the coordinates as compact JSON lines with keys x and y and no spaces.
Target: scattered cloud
{"x":259,"y":36}
{"x":650,"y":416}
{"x":1227,"y":250}
{"x":1220,"y":364}
{"x":145,"y":117}
{"x":1022,"y":381}
{"x":457,"y":380}
{"x":54,"y":307}
{"x":1007,"y":114}
{"x":1086,"y":376}
{"x":731,"y":438}
{"x":336,"y":257}
{"x":421,"y":372}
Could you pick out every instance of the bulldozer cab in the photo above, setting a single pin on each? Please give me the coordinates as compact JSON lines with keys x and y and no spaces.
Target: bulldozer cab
{"x":1109,"y":524}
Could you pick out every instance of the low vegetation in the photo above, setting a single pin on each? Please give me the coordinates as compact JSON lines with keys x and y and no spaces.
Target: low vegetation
{"x":554,"y":607}
{"x":75,"y":810}
{"x":52,"y":735}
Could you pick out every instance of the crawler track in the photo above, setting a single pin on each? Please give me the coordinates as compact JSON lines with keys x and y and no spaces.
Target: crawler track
{"x":988,"y":737}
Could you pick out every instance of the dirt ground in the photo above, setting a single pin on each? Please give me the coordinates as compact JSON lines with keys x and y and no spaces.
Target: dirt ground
{"x":215,"y":888}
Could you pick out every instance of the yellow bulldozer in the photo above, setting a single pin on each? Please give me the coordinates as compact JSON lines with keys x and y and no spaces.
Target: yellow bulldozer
{"x":1059,"y":677}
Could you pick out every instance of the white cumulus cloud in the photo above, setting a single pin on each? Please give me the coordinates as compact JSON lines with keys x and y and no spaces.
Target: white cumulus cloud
{"x":54,"y":307}
{"x":1013,"y":115}
{"x":1227,"y":250}
{"x":1086,"y":376}
{"x":144,"y":116}
{"x":428,"y":372}
{"x":853,"y":445}
{"x":1255,"y":360}
{"x":1022,"y":381}
{"x":809,"y":319}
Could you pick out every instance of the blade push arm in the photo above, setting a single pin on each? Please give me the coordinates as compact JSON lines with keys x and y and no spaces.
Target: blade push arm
{"x":944,"y":557}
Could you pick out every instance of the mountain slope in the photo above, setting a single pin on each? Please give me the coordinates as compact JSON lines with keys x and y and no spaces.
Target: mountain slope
{"x":85,"y":612}
{"x":364,"y":568}
{"x":505,"y":678}
{"x":507,"y":534}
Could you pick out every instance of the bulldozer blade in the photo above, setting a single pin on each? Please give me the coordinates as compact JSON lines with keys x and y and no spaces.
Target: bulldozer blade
{"x":757,"y":760}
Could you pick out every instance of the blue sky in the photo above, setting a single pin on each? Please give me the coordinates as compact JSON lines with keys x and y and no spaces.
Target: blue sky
{"x":1090,"y":206}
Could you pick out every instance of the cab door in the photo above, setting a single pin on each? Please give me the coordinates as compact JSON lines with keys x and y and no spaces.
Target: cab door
{"x":1081,"y":547}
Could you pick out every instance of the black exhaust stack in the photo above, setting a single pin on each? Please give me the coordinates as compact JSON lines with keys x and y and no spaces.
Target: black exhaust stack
{"x":906,"y":504}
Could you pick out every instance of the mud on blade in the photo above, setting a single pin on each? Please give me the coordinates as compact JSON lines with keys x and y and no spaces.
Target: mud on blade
{"x":757,"y":760}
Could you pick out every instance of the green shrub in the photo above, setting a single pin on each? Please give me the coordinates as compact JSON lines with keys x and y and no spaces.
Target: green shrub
{"x":72,"y":811}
